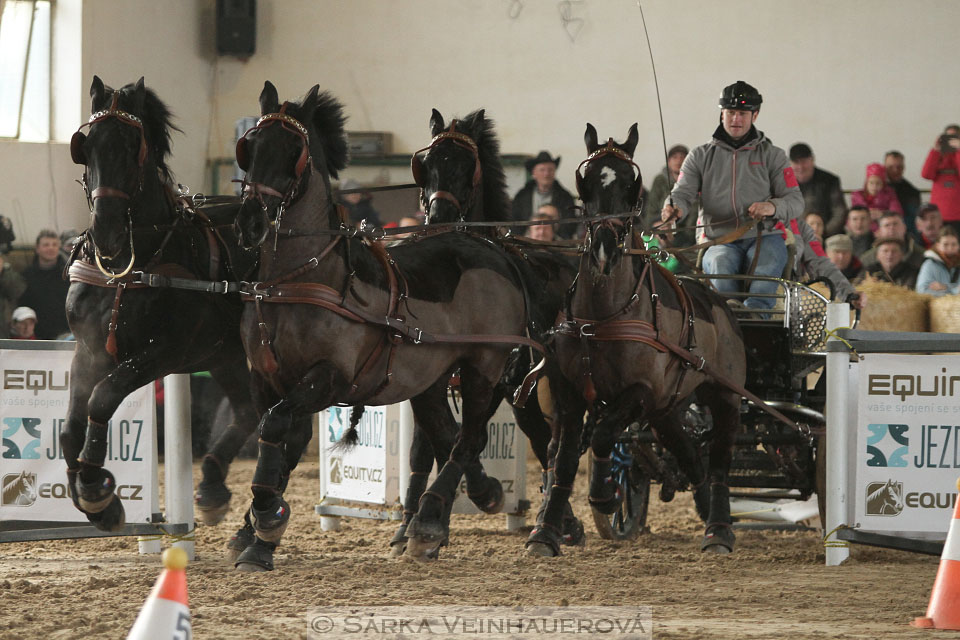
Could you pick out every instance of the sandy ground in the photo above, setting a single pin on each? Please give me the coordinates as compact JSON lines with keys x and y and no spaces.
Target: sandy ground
{"x":774,"y":586}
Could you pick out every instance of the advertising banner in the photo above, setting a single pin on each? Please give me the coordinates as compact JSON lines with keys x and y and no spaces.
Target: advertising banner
{"x":33,"y":406}
{"x":369,"y":472}
{"x":907,"y":442}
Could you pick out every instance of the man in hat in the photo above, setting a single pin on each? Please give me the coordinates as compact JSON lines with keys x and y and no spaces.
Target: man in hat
{"x":821,"y":189}
{"x":542,"y":189}
{"x":840,"y":252}
{"x":812,"y":263}
{"x":23,"y":321}
{"x":739,"y":175}
{"x":662,"y":184}
{"x":358,"y":203}
{"x":928,"y":223}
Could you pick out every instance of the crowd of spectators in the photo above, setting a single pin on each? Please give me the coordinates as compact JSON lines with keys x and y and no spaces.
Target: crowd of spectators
{"x":32,"y":302}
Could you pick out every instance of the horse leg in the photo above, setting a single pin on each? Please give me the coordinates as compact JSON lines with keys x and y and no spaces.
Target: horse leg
{"x":421,"y":462}
{"x":85,"y":371}
{"x":486,"y":492}
{"x":93,"y":485}
{"x":281,"y":442}
{"x":427,"y":529}
{"x":547,"y":536}
{"x":725,"y":407}
{"x":604,"y":489}
{"x":435,"y":421}
{"x":212,"y":496}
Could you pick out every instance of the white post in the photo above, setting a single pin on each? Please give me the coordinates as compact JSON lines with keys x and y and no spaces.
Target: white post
{"x":178,"y":456}
{"x":404,"y":442}
{"x":838,"y":363}
{"x":152,"y":544}
{"x":516,"y":522}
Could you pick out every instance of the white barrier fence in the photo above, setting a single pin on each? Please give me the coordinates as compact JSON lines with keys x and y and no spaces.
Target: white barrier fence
{"x":370,"y":479}
{"x":893,"y":438}
{"x":35,"y":503}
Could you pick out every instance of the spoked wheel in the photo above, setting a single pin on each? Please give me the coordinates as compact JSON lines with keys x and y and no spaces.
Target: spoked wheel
{"x":630,"y":520}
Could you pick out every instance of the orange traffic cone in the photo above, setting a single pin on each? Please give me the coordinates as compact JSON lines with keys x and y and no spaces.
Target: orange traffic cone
{"x":165,"y":614}
{"x":944,"y":609}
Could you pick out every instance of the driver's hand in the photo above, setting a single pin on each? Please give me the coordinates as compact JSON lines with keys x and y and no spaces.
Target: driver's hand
{"x":759,"y":210}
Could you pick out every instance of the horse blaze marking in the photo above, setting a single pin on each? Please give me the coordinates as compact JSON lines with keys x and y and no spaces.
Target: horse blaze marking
{"x":607,"y":176}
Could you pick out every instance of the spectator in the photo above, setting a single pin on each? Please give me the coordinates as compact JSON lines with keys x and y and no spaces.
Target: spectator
{"x":812,"y":262}
{"x":858,"y":228}
{"x":892,"y":226}
{"x":12,"y":286}
{"x":543,"y":188}
{"x":724,"y":171}
{"x":907,"y":194}
{"x":941,"y":168}
{"x":68,"y":239}
{"x":840,"y":252}
{"x":876,"y":195}
{"x":890,"y":266}
{"x":22,"y":324}
{"x":7,"y":236}
{"x":821,"y":189}
{"x":46,"y":291}
{"x":662,"y":184}
{"x":815,"y":221}
{"x":940,"y":272}
{"x":929,"y":223}
{"x":541,"y":231}
{"x":358,"y":204}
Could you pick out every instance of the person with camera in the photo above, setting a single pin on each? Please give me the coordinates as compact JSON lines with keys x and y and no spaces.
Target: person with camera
{"x":739,"y":175}
{"x":941,"y":167}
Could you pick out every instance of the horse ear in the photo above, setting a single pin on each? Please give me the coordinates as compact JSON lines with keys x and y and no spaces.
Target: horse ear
{"x":269,"y":100}
{"x":310,"y":102}
{"x":139,"y":96}
{"x":590,"y":138}
{"x":631,"y":144}
{"x":436,"y":123}
{"x":96,"y":92}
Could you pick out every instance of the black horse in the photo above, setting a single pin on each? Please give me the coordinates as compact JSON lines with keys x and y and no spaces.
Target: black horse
{"x":634,"y":344}
{"x":461,"y":178}
{"x":129,"y":334}
{"x":337,"y":320}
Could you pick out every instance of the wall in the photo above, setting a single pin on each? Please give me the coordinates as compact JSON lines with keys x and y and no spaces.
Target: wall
{"x":852,"y":79}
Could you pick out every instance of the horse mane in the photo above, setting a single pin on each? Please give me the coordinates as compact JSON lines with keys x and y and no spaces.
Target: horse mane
{"x":328,"y":119}
{"x":157,"y":125}
{"x":496,"y":202}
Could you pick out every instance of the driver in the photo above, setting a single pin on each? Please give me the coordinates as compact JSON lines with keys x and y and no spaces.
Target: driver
{"x":739,"y":174}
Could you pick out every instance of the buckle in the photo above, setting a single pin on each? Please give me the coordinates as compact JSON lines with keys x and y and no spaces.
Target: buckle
{"x":226,"y":287}
{"x":588,"y":330}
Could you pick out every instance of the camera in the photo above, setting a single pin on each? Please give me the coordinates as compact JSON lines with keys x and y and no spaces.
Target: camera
{"x":944,"y":140}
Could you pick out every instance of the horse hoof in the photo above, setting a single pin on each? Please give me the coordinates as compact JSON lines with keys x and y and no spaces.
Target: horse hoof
{"x":540,"y":550}
{"x":718,"y":539}
{"x":243,"y":538}
{"x":256,"y":557}
{"x":423,"y":548}
{"x":96,"y":496}
{"x":398,"y":549}
{"x":111,"y":519}
{"x":493,"y":499}
{"x":271,"y":523}
{"x":212,"y":502}
{"x":573,"y":533}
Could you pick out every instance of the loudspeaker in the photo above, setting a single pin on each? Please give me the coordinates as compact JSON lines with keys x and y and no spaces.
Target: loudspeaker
{"x":236,"y":27}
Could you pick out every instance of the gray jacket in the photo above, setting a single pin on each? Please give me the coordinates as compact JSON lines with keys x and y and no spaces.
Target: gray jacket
{"x":730,"y":180}
{"x":812,"y":261}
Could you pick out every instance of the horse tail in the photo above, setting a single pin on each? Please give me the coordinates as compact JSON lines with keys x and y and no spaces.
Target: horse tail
{"x":351,"y":437}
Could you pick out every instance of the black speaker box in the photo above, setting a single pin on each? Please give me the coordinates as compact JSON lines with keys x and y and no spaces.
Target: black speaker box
{"x":236,"y":27}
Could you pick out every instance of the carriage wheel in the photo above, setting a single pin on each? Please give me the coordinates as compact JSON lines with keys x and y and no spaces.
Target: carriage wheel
{"x":630,"y":520}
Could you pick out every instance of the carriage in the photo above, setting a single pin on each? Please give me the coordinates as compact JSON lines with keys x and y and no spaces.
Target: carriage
{"x":771,"y":460}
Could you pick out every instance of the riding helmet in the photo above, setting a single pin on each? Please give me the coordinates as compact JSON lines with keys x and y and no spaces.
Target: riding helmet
{"x":740,"y":96}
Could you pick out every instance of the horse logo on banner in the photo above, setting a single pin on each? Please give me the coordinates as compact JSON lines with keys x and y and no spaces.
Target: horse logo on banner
{"x":884,"y":498}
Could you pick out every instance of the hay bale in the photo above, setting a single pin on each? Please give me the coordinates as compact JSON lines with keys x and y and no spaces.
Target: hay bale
{"x":945,"y":314}
{"x":893,"y":308}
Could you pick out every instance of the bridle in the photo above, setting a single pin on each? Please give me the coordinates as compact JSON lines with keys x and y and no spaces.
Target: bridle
{"x":416,"y":166}
{"x":76,"y":153}
{"x":257,"y":190}
{"x":616,"y":225}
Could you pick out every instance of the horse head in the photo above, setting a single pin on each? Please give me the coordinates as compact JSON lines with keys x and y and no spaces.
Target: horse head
{"x":290,"y":142}
{"x":610,"y":184}
{"x":126,"y":146}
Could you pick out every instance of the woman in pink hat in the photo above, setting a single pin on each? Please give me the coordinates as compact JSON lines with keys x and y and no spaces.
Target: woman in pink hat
{"x":876,"y":195}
